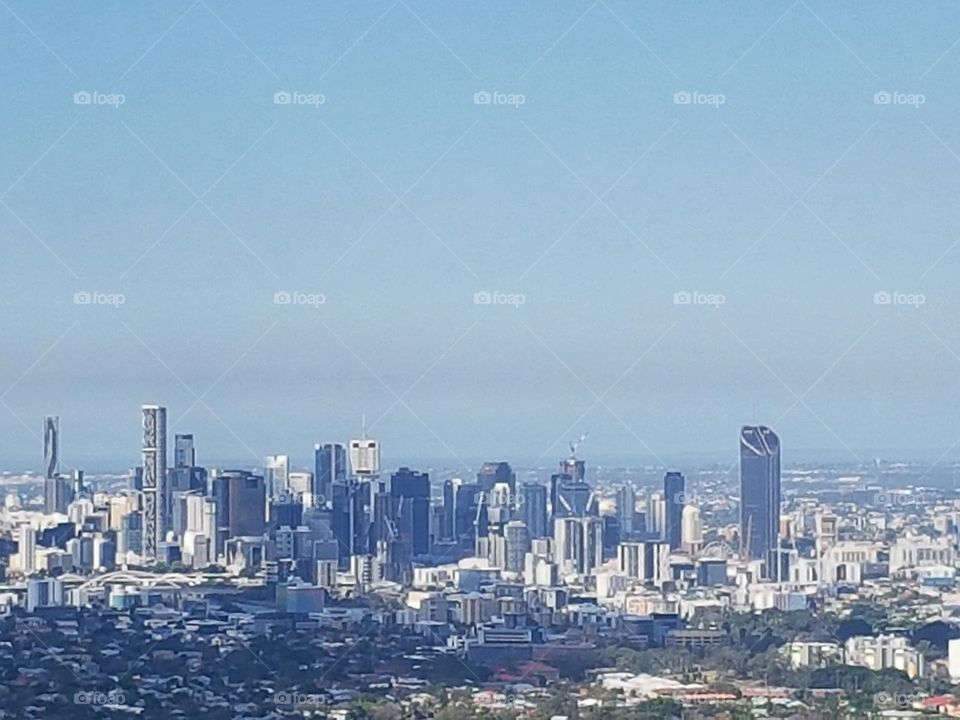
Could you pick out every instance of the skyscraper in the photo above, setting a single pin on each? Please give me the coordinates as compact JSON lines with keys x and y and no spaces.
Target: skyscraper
{"x":760,"y":496}
{"x":276,"y":475}
{"x":365,"y":456}
{"x":533,"y":509}
{"x":673,"y":490}
{"x":154,"y":461}
{"x":330,"y":466}
{"x":51,"y":446}
{"x":493,"y":473}
{"x":627,"y":511}
{"x":241,"y":503}
{"x":183,"y":452}
{"x":411,"y":494}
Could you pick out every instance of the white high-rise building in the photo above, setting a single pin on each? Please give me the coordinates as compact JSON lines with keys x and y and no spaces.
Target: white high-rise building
{"x":656,"y":514}
{"x":276,"y":475}
{"x":365,"y":456}
{"x":692,"y":531}
{"x":27,"y":549}
{"x":578,"y":544}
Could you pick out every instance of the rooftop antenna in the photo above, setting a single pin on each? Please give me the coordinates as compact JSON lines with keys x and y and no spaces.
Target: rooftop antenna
{"x":363,"y":426}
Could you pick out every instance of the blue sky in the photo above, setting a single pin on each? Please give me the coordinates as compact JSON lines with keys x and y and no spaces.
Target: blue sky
{"x":794,"y":196}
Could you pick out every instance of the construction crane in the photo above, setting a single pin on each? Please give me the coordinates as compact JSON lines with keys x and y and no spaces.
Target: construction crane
{"x":576,"y":444}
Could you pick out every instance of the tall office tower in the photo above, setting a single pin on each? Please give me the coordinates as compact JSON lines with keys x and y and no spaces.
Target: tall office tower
{"x":673,"y":497}
{"x":365,"y":455}
{"x":692,"y":529}
{"x":760,"y":496}
{"x":241,"y":504}
{"x":51,"y":446}
{"x":184,"y":455}
{"x":130,"y":537}
{"x":493,"y":473}
{"x":656,"y":514}
{"x":411,"y":493}
{"x":533,"y":509}
{"x":517,"y":542}
{"x":627,"y":511}
{"x":155,"y":495}
{"x":27,"y":549}
{"x":349,"y":523}
{"x":470,"y":519}
{"x":329,"y":466}
{"x":575,"y":498}
{"x":448,"y":515}
{"x":555,"y":481}
{"x":276,"y":475}
{"x":578,"y":544}
{"x":57,"y":494}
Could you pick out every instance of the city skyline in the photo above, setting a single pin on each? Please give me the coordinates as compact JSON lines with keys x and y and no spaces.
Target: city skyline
{"x":586,"y":359}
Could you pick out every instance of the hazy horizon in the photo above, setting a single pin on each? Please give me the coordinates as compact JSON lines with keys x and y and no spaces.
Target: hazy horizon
{"x":490,"y":228}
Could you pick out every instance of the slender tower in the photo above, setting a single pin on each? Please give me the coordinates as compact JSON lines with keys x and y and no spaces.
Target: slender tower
{"x":760,"y":497}
{"x":154,"y":461}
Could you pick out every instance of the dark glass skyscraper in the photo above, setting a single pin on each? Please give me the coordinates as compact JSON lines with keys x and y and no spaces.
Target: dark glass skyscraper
{"x":492,"y":473}
{"x":411,"y":493}
{"x":533,"y":509}
{"x":760,"y":496}
{"x":673,"y":489}
{"x":330,"y":466}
